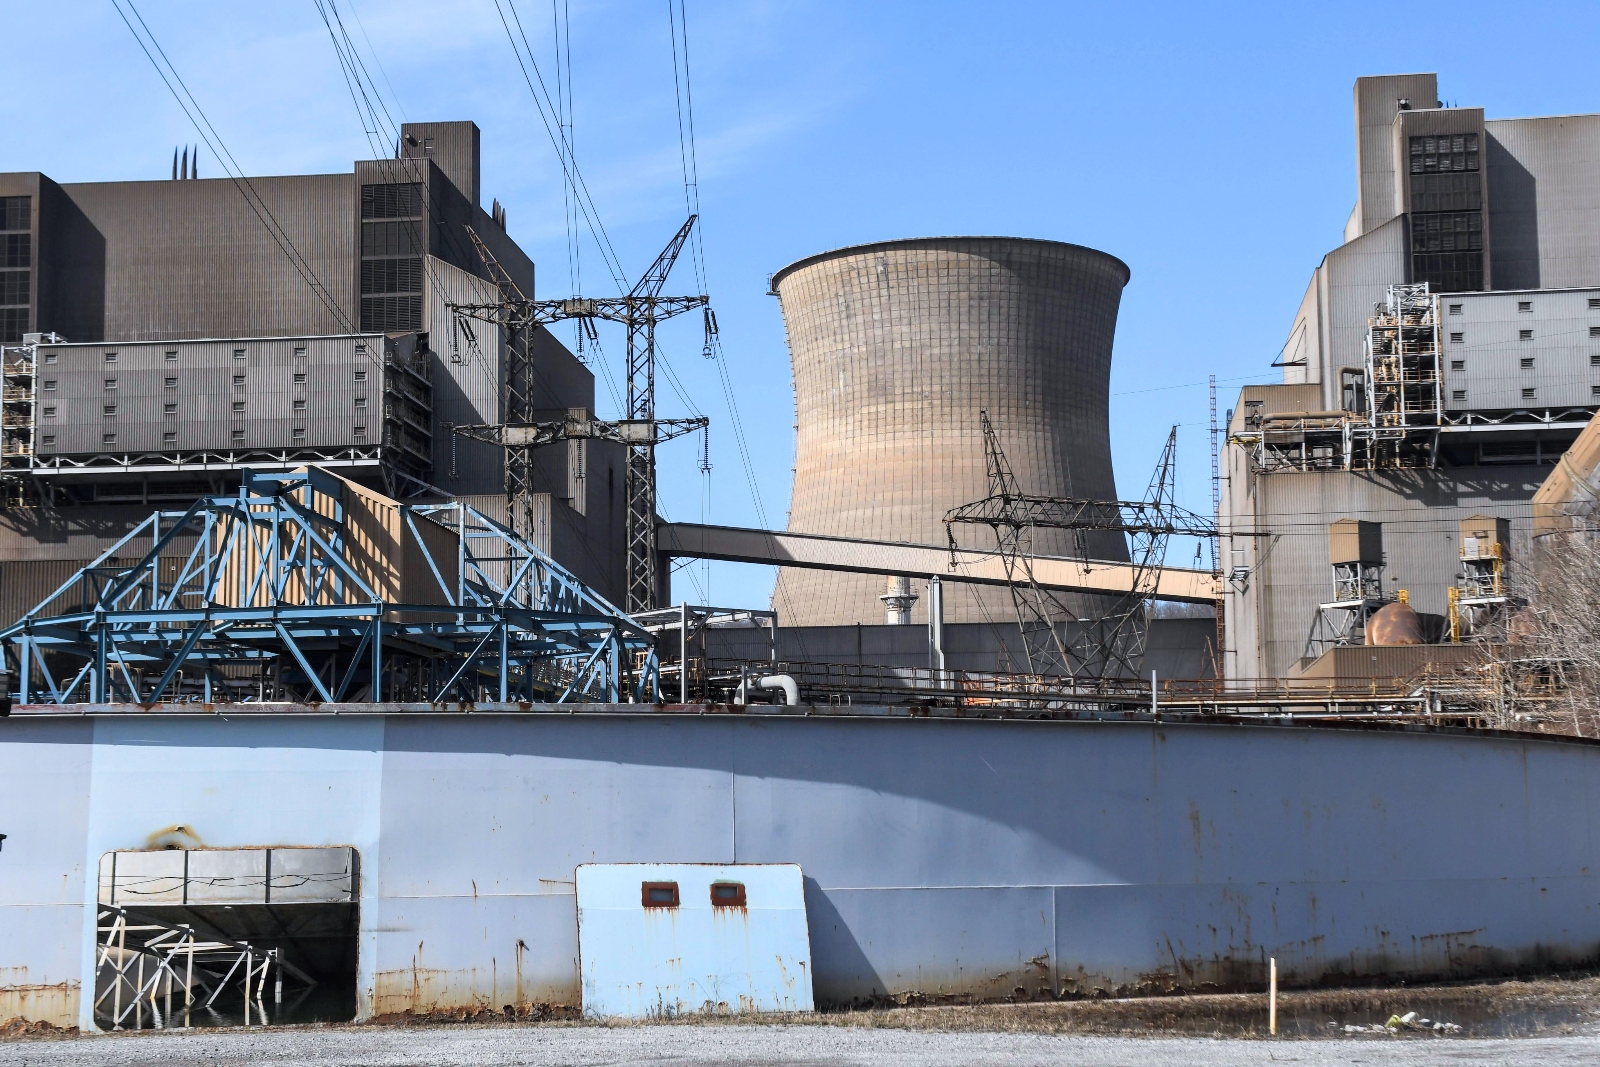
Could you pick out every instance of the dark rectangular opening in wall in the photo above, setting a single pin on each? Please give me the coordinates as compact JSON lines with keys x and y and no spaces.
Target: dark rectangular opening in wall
{"x":288,"y":916}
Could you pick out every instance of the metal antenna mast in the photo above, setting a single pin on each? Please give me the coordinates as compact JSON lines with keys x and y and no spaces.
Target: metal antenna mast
{"x":1055,"y":639}
{"x":639,"y":430}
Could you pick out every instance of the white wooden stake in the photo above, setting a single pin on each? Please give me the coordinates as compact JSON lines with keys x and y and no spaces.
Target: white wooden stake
{"x":1272,"y":1000}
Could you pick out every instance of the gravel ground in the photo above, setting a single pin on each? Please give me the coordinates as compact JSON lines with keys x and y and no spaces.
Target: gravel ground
{"x":663,"y":1046}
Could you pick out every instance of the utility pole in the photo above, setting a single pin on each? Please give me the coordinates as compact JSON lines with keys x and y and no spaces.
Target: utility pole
{"x":639,"y":431}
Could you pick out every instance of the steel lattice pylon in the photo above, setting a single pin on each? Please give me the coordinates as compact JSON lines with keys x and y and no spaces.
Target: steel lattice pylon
{"x":639,"y":311}
{"x":1055,"y":639}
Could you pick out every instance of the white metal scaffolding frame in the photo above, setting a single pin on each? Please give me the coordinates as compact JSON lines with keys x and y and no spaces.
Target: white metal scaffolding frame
{"x":141,"y":962}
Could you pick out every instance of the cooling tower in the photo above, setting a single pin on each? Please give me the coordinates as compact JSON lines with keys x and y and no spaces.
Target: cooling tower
{"x":896,"y":348}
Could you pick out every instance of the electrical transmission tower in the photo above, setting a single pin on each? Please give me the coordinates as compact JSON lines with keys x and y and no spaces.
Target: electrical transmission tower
{"x":639,"y":430}
{"x":1056,"y":640}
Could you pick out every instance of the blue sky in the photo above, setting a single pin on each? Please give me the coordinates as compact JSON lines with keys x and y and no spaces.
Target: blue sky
{"x":1208,"y":146}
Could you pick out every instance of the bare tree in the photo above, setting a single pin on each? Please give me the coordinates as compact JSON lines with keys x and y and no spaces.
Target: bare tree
{"x":1540,"y":664}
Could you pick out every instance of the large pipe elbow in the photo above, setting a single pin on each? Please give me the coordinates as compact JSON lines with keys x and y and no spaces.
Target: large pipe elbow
{"x":791,"y":690}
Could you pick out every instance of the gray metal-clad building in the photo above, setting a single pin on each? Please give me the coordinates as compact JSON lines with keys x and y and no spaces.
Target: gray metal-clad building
{"x":272,"y":264}
{"x":1501,"y":219}
{"x":897,"y":347}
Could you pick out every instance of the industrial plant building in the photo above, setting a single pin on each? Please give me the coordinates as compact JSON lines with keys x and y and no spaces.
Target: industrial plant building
{"x":190,"y":328}
{"x":305,"y":701}
{"x":1443,"y":358}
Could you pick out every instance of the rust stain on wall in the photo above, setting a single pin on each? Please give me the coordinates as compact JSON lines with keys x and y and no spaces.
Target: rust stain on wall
{"x":54,"y":1004}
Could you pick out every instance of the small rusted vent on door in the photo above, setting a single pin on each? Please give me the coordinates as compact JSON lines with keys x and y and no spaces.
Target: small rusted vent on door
{"x":658,"y":894}
{"x":727,"y":894}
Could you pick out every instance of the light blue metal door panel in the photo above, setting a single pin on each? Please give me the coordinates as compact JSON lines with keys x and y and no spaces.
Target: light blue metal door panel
{"x":690,"y":954}
{"x":989,"y":941}
{"x":447,"y":952}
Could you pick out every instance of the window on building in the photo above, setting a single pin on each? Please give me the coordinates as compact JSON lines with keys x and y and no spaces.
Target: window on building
{"x":111,"y":383}
{"x":170,"y":355}
{"x":169,"y":383}
{"x":1528,"y":394}
{"x":1455,"y":309}
{"x":1594,"y":302}
{"x":1458,"y":394}
{"x":1457,"y":338}
{"x":108,"y":409}
{"x":1524,"y":335}
{"x":299,"y":351}
{"x":1594,"y":390}
{"x":392,"y":246}
{"x":108,"y":439}
{"x":299,"y":434}
{"x":238,"y":353}
{"x":50,"y":412}
{"x":361,"y":403}
{"x":50,"y":383}
{"x":111,"y":357}
{"x":16,"y":212}
{"x":49,"y":357}
{"x":169,"y":437}
{"x":1525,"y":306}
{"x":238,"y":380}
{"x":299,"y":404}
{"x":1594,"y":359}
{"x":15,"y":286}
{"x":299,"y":377}
{"x":1594,"y":331}
{"x":361,"y":375}
{"x":169,"y":409}
{"x":1458,"y":364}
{"x":360,"y":433}
{"x":16,"y":250}
{"x":48,"y":441}
{"x":237,"y":436}
{"x":1442,"y":153}
{"x":238,"y":407}
{"x":1527,"y":362}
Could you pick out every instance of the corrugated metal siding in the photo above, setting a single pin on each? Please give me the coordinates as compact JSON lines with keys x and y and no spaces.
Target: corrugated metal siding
{"x":1492,"y":377}
{"x":207,"y":386}
{"x":25,"y":583}
{"x":190,"y":259}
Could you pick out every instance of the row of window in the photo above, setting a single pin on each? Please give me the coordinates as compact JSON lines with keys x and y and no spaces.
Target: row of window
{"x":238,"y":379}
{"x":171,"y":356}
{"x":171,"y":408}
{"x":1460,"y":336}
{"x":170,"y":437}
{"x":1526,"y":362}
{"x":1526,"y":307}
{"x":16,"y":212}
{"x":13,"y":324}
{"x":1528,"y":393}
{"x":1446,"y":192}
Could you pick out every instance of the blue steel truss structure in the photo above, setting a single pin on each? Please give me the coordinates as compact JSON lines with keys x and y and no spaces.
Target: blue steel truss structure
{"x":283,"y":593}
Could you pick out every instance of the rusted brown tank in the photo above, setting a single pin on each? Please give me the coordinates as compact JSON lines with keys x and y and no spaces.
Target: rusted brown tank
{"x":1395,"y":624}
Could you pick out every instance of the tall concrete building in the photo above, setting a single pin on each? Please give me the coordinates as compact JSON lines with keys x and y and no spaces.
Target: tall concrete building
{"x":897,"y":347}
{"x":192,"y":327}
{"x":1444,"y":355}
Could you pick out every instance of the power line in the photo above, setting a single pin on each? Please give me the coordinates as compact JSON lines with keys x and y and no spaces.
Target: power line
{"x":208,"y":133}
{"x":569,"y":165}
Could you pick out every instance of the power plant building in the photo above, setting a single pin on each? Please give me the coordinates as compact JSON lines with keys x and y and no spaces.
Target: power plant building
{"x":1443,"y":357}
{"x":897,"y":349}
{"x":192,"y":327}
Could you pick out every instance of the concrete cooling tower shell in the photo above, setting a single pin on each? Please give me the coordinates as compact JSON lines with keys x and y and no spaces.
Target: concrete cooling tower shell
{"x":896,"y":348}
